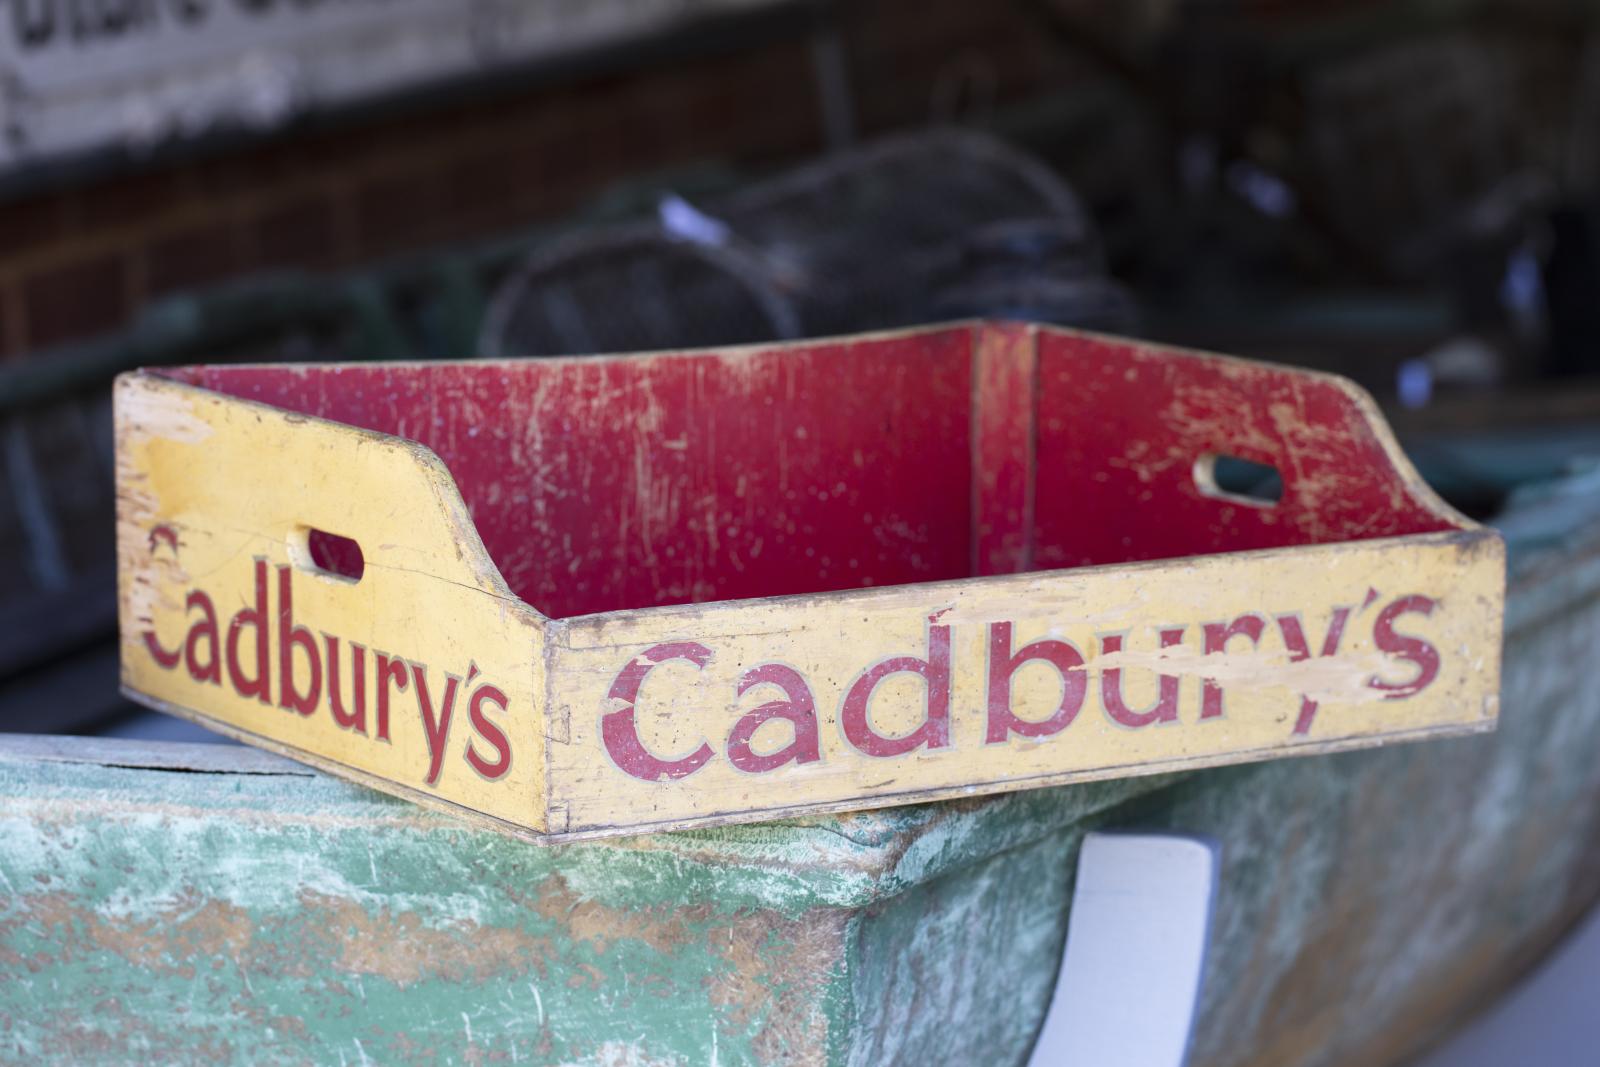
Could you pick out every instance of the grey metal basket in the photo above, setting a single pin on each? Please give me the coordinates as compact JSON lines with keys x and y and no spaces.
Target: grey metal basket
{"x":629,"y":289}
{"x":936,"y":225}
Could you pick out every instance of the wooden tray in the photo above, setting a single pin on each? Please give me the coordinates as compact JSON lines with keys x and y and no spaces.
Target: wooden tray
{"x":588,"y":596}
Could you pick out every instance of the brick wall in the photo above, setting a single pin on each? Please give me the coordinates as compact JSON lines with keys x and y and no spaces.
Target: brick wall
{"x":82,"y":260}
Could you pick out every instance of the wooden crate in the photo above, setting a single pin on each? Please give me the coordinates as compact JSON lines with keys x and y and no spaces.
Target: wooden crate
{"x":588,"y":596}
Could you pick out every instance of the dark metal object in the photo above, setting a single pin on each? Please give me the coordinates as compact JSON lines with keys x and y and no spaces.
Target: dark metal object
{"x":892,"y":234}
{"x":272,"y":316}
{"x":632,"y":289}
{"x":929,"y":227}
{"x":1440,"y":113}
{"x":1037,"y":270}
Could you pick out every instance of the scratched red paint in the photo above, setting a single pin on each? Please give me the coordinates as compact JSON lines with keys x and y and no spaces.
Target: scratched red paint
{"x":604,"y":485}
{"x":1120,"y":428}
{"x":622,"y":484}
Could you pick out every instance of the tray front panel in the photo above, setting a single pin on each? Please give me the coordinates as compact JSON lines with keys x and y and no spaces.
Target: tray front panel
{"x":686,"y":715}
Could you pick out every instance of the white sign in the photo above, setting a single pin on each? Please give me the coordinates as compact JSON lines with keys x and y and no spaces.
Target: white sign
{"x":1136,"y":948}
{"x":82,"y":74}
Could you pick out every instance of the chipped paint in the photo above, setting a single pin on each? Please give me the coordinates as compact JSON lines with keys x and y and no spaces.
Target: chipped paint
{"x":272,"y":916}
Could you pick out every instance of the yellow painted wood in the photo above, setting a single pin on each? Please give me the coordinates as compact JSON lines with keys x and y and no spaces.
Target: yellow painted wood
{"x":429,"y":597}
{"x":238,"y":484}
{"x":831,"y":639}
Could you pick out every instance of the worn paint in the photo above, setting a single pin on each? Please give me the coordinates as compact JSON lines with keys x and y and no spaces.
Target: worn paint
{"x":540,"y":538}
{"x":216,"y":903}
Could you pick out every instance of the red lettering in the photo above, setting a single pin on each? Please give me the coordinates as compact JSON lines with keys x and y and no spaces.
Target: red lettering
{"x":1067,"y":660}
{"x":255,"y":617}
{"x":1217,"y":635}
{"x":1414,"y":649}
{"x":436,"y":729}
{"x":291,"y":637}
{"x":211,"y":670}
{"x":356,"y":720}
{"x":1165,"y":709}
{"x":800,"y":709}
{"x":163,"y":533}
{"x":1295,"y":638}
{"x":489,"y":732}
{"x":619,"y":731}
{"x":934,"y":732}
{"x":166,"y":659}
{"x":389,"y":669}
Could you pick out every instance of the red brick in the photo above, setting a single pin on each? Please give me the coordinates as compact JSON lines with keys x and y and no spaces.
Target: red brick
{"x":130,"y":200}
{"x":491,"y":188}
{"x":299,"y":232}
{"x":8,"y":346}
{"x":194,"y":256}
{"x":397,"y":211}
{"x":273,"y":165}
{"x":30,"y":223}
{"x":75,"y":301}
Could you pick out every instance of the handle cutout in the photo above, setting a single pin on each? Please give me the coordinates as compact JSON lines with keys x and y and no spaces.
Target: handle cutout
{"x":332,"y":555}
{"x":1242,"y":481}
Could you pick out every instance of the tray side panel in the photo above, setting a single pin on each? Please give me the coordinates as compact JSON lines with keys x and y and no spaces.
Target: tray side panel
{"x":1126,"y":430}
{"x":419,"y":677}
{"x":681,"y":716}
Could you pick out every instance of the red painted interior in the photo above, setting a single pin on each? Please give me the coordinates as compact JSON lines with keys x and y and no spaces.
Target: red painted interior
{"x":608,"y":483}
{"x":1121,"y":426}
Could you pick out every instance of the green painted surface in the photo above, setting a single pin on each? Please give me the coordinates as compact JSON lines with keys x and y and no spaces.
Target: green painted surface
{"x":282,"y":916}
{"x":958,"y":970}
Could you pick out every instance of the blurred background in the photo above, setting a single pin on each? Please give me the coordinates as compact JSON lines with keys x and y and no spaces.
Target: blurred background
{"x":1404,"y":192}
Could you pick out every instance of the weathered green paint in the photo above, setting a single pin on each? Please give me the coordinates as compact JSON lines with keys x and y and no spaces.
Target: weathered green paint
{"x":246,"y":909}
{"x":184,"y":903}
